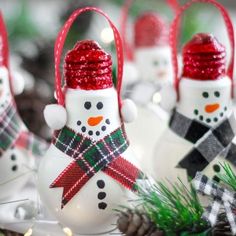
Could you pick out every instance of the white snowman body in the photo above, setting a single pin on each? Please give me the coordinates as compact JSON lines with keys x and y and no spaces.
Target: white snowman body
{"x":153,"y":92}
{"x":15,"y":163}
{"x":206,"y":101}
{"x":91,"y":211}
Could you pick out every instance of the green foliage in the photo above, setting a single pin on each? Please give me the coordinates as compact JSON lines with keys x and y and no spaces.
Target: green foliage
{"x":228,"y":177}
{"x":21,"y":26}
{"x":174,"y":208}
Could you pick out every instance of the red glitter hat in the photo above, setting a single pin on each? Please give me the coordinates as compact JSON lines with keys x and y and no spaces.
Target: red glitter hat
{"x":204,"y":58}
{"x":150,"y":30}
{"x":87,"y":66}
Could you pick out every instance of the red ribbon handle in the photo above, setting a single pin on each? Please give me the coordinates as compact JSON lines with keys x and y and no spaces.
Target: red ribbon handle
{"x":4,"y":48}
{"x":174,"y":37}
{"x":60,"y":44}
{"x":129,"y":51}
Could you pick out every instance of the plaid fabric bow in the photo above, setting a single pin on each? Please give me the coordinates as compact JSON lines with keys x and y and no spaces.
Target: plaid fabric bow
{"x":221,"y":196}
{"x":208,"y":142}
{"x":90,"y":157}
{"x":11,"y":134}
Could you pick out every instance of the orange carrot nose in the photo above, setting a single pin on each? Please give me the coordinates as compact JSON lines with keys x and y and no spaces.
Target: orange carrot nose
{"x":93,"y":121}
{"x":212,"y":107}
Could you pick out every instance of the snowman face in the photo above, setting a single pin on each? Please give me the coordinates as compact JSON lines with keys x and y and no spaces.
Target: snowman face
{"x":206,"y":101}
{"x":92,"y":113}
{"x":5,"y":94}
{"x":154,"y":63}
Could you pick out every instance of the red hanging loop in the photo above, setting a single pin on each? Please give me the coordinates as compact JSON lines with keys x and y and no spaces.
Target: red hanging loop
{"x":174,"y":5}
{"x":4,"y":49}
{"x":174,"y":37}
{"x":59,"y":44}
{"x":128,"y":47}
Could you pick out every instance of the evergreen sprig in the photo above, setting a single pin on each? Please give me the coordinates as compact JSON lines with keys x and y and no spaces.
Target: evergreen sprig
{"x":174,"y":208}
{"x":228,"y":177}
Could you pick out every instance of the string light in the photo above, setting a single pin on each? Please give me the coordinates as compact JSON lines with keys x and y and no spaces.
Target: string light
{"x":67,"y":231}
{"x":29,"y":232}
{"x":107,"y":35}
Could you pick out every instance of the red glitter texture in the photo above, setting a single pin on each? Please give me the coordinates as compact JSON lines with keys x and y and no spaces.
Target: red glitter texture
{"x":150,"y":30}
{"x":204,"y":58}
{"x":87,"y":66}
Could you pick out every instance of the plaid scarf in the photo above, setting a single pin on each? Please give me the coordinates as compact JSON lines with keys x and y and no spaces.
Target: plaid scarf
{"x":93,"y":156}
{"x":208,"y":142}
{"x":221,"y":196}
{"x":11,"y":134}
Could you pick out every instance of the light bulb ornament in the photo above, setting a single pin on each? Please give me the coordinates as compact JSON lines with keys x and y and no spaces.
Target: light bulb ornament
{"x":222,"y":135}
{"x":17,"y":144}
{"x":202,"y":126}
{"x":96,"y":145}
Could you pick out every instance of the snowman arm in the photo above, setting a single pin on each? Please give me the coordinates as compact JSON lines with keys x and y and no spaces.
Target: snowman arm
{"x":55,"y":116}
{"x":18,"y":83}
{"x":128,"y":111}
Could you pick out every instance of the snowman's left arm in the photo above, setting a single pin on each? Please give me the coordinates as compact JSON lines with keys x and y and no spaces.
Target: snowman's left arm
{"x":128,"y":111}
{"x":18,"y":83}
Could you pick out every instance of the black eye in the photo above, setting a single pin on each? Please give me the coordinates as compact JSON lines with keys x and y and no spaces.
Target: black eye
{"x":205,"y":94}
{"x":99,"y":106}
{"x":165,"y":62}
{"x":217,"y":94}
{"x":87,"y":105}
{"x":155,"y":63}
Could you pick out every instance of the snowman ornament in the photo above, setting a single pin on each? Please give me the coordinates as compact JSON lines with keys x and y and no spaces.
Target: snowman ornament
{"x":88,"y":172}
{"x":202,"y":128}
{"x":153,"y":92}
{"x":152,"y":57}
{"x":17,"y":144}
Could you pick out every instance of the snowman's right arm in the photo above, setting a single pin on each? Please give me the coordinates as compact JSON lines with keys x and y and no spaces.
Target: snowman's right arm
{"x":55,"y":116}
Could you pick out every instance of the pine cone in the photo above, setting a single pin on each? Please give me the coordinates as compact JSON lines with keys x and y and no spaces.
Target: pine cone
{"x":134,"y":223}
{"x":222,"y":226}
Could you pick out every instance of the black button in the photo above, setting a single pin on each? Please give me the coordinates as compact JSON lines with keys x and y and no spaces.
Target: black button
{"x":216,"y":178}
{"x":100,"y":183}
{"x":14,"y":168}
{"x":108,"y":121}
{"x":90,"y":132}
{"x":101,"y":195}
{"x":102,"y":205}
{"x":97,"y":133}
{"x":83,"y":129}
{"x":216,"y":168}
{"x":13,"y":157}
{"x":78,"y":122}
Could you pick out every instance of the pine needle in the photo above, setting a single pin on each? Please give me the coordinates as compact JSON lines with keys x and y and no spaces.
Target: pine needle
{"x":174,"y":208}
{"x":228,"y":177}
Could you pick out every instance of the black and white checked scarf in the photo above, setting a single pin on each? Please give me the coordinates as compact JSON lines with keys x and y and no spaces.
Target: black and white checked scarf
{"x":208,"y":143}
{"x":222,"y":198}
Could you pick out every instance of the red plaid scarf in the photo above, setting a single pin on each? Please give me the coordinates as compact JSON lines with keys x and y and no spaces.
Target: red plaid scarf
{"x":11,"y":134}
{"x":90,"y":157}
